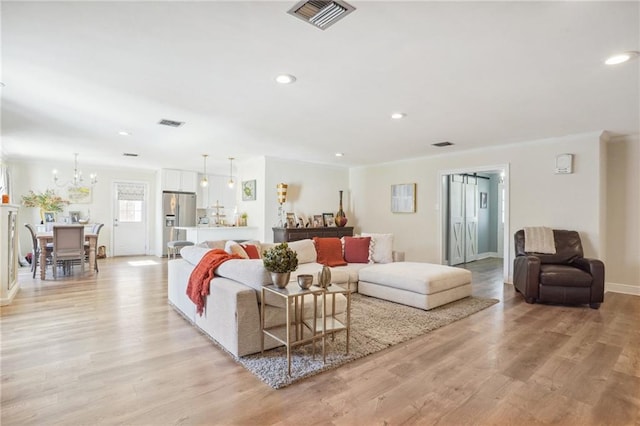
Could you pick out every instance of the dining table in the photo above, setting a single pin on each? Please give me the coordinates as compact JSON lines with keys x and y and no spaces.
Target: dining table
{"x":47,"y":237}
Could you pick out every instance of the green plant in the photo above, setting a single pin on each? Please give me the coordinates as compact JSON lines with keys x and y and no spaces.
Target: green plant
{"x":47,"y":201}
{"x":280,"y":259}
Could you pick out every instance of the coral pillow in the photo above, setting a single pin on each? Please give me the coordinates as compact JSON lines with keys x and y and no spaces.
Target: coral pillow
{"x":329,"y":251}
{"x":356,"y":249}
{"x":252,"y":250}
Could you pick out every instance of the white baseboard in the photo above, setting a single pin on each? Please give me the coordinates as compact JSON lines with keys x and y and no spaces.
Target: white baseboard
{"x":622,"y":288}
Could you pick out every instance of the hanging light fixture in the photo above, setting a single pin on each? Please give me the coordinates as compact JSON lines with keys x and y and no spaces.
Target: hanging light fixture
{"x":204,"y":182}
{"x":230,"y":183}
{"x":77,"y":179}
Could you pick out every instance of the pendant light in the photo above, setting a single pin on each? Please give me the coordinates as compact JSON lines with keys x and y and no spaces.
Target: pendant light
{"x":204,"y":182}
{"x":230,"y":183}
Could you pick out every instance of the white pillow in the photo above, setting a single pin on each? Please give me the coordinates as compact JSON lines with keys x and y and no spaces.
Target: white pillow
{"x":382,"y":247}
{"x":305,"y":249}
{"x":193,"y":254}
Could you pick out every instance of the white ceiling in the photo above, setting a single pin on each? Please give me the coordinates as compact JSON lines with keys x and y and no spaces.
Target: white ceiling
{"x":473,"y":73}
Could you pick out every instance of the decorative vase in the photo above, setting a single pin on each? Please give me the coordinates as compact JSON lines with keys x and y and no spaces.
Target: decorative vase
{"x":324,"y":277}
{"x":280,"y":279}
{"x":341,"y":219}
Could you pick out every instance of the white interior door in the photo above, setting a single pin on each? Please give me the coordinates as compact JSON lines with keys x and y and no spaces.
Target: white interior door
{"x":456,"y":220}
{"x":130,"y":219}
{"x":471,"y":219}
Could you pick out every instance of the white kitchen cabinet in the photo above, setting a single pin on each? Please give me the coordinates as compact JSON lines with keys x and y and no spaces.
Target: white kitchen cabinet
{"x":8,"y":253}
{"x":179,"y":180}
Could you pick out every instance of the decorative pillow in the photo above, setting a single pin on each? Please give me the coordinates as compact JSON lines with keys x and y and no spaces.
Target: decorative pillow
{"x":305,"y":249}
{"x":382,"y":247}
{"x":233,"y":247}
{"x":252,"y":250}
{"x":357,"y":249}
{"x":219,"y":244}
{"x":329,"y":251}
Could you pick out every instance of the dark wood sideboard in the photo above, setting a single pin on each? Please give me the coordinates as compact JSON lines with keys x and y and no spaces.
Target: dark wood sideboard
{"x":294,"y":234}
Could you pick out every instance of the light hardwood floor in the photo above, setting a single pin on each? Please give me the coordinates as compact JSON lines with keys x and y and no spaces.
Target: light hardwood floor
{"x":111,"y":351}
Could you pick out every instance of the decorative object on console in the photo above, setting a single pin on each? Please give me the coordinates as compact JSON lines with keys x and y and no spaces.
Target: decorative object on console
{"x":47,"y":201}
{"x":327,"y":219}
{"x":75,"y":217}
{"x":280,"y":261}
{"x":341,"y":218}
{"x":324,"y":277}
{"x":282,"y":198}
{"x":291,"y":220}
{"x":403,"y":198}
{"x":318,"y":222}
{"x":249,"y":190}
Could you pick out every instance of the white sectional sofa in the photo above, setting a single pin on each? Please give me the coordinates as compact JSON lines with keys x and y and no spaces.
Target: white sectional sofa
{"x":232,"y":309}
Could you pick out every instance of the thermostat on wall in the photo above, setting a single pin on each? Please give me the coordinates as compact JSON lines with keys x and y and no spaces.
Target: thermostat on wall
{"x":564,"y":164}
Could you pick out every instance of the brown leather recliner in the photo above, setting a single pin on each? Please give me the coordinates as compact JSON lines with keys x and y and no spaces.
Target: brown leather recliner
{"x":564,"y":277}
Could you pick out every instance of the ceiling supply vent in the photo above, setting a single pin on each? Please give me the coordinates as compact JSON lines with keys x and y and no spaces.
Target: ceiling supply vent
{"x":170,"y":123}
{"x":130,"y":154}
{"x":442,"y":144}
{"x":321,"y":14}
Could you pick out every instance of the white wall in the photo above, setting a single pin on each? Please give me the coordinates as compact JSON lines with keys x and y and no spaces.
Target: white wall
{"x":537,"y":195}
{"x":253,"y":168}
{"x":623,"y":215}
{"x":313,"y":189}
{"x":37,"y":176}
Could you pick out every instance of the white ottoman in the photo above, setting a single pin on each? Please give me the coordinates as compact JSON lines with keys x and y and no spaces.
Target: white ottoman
{"x":421,"y":285}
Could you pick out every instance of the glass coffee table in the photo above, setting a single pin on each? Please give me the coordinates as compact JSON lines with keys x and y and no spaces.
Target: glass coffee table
{"x":284,"y":333}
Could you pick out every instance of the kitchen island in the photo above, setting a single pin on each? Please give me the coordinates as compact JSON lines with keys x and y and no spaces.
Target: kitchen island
{"x":198,"y":234}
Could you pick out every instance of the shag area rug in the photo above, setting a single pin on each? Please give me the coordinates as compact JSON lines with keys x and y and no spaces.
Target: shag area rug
{"x":375,"y":325}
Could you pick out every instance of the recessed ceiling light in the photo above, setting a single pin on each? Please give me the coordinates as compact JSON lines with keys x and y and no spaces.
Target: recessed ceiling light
{"x":123,"y":133}
{"x":339,"y":154}
{"x":285,"y":79}
{"x":398,"y":115}
{"x":620,"y":58}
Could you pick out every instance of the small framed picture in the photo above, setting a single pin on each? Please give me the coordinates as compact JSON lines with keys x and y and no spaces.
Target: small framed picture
{"x":483,"y":200}
{"x":403,"y":198}
{"x":317,"y":221}
{"x":75,"y":217}
{"x":249,"y":190}
{"x":291,"y":220}
{"x":301,"y":221}
{"x":328,"y":219}
{"x":49,"y":217}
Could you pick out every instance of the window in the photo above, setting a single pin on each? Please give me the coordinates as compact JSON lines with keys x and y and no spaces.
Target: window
{"x":130,"y":211}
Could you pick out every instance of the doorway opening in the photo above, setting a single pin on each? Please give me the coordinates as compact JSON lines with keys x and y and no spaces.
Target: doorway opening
{"x":475,"y":215}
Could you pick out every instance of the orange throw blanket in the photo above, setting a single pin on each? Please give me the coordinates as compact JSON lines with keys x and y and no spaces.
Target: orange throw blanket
{"x":198,"y":287}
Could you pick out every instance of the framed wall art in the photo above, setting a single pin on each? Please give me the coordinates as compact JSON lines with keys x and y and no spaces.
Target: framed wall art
{"x":249,"y":190}
{"x":79,"y":194}
{"x":403,"y":198}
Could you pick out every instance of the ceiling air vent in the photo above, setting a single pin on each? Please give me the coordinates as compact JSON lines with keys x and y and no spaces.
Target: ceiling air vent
{"x":130,"y":154}
{"x":170,"y":123}
{"x":321,"y":14}
{"x":442,"y":144}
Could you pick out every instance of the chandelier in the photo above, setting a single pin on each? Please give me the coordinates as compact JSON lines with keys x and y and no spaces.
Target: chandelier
{"x":77,"y":179}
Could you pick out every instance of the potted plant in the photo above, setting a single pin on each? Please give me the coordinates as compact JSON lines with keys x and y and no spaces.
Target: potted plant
{"x":280,"y":261}
{"x":47,"y":201}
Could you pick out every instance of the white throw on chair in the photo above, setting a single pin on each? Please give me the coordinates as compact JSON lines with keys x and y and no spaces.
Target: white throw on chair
{"x":68,"y":244}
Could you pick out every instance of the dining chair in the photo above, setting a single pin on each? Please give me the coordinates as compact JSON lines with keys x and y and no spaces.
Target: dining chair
{"x":35,"y":251}
{"x":68,"y":245}
{"x":96,"y":230}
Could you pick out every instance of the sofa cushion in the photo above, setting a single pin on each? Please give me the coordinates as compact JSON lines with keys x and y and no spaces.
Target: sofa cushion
{"x":357,"y":249}
{"x":382,"y":247}
{"x":193,"y":254}
{"x":422,"y":278}
{"x":213,"y":244}
{"x":305,"y":249}
{"x":250,"y":272}
{"x":329,"y":251}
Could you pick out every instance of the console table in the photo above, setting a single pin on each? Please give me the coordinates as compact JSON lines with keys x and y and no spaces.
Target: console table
{"x":281,"y":235}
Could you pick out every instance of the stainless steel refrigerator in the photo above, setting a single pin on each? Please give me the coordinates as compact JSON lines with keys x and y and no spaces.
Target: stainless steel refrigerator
{"x":178,"y":209}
